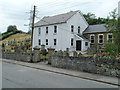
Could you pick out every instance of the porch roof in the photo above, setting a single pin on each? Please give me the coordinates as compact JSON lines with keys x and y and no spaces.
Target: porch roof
{"x":81,"y":36}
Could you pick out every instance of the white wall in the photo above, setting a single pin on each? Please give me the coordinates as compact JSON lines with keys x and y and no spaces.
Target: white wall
{"x":77,"y":20}
{"x":63,"y":35}
{"x":62,"y":32}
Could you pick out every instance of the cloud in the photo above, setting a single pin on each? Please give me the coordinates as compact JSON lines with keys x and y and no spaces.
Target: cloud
{"x":14,"y":11}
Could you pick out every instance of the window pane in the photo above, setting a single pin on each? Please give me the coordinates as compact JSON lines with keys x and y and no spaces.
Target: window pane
{"x":46,"y":41}
{"x":39,"y":42}
{"x":109,"y":37}
{"x":72,"y":28}
{"x":86,"y":43}
{"x":54,"y":41}
{"x":39,"y":30}
{"x":46,"y":29}
{"x":71,"y":41}
{"x":55,"y":29}
{"x":78,"y":29}
{"x":100,"y":38}
{"x":92,"y":38}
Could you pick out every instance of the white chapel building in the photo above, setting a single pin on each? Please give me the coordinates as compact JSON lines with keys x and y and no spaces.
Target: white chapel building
{"x":62,"y":32}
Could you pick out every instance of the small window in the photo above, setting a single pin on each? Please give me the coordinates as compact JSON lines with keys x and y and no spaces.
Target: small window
{"x":78,"y":29}
{"x":46,"y":41}
{"x":86,"y":43}
{"x":39,"y":31}
{"x":55,"y":41}
{"x":100,"y":38}
{"x":39,"y":42}
{"x":71,"y":41}
{"x":110,"y":37}
{"x":46,"y":30}
{"x":55,"y":29}
{"x":92,"y":39}
{"x":72,"y":28}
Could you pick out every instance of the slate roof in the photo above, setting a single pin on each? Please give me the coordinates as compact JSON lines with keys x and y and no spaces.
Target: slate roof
{"x":61,"y":18}
{"x":96,"y":29}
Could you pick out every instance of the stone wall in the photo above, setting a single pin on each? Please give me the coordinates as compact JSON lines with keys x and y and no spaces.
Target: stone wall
{"x":17,"y":56}
{"x":104,"y":66}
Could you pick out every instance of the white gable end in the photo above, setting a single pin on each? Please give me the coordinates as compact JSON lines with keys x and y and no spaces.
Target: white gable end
{"x":78,"y":20}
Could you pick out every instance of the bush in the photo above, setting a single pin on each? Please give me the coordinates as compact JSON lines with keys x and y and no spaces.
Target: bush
{"x":111,"y":49}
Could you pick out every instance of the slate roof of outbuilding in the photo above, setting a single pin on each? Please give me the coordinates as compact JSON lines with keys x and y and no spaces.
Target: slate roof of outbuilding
{"x":96,"y":29}
{"x":61,"y":18}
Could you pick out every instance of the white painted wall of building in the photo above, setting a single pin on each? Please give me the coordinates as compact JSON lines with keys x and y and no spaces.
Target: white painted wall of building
{"x":63,"y":34}
{"x":77,"y":20}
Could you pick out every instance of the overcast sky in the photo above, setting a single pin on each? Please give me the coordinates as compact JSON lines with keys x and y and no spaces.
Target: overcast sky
{"x":16,"y":12}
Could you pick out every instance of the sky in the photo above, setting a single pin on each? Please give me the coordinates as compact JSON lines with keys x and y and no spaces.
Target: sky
{"x":17,"y":12}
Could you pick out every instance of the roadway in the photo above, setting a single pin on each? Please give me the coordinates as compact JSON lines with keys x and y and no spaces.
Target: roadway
{"x":16,"y":76}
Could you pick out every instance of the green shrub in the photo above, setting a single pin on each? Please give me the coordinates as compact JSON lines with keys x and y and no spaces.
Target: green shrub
{"x":111,"y":49}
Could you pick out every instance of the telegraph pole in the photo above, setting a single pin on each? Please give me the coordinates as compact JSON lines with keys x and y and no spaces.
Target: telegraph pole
{"x":33,"y":20}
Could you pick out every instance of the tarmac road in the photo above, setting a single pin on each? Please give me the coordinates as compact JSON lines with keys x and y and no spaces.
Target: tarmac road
{"x":16,"y":76}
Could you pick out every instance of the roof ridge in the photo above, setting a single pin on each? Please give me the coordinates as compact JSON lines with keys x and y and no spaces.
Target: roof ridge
{"x":60,"y":14}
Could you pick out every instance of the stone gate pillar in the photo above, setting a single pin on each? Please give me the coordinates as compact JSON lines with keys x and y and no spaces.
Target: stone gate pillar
{"x":36,"y":54}
{"x":50,"y":54}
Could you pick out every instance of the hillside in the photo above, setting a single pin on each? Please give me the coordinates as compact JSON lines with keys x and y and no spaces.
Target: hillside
{"x":7,"y":34}
{"x":17,"y":37}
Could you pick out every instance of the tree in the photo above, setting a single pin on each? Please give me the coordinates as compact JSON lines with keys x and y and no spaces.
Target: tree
{"x":113,"y":25}
{"x":92,"y":20}
{"x":12,"y":28}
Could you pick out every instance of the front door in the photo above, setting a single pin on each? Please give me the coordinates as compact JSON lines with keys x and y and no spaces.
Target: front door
{"x":78,"y":45}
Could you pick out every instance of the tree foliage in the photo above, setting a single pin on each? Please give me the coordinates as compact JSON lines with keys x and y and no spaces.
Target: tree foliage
{"x":113,"y":25}
{"x":12,"y":28}
{"x":92,"y":20}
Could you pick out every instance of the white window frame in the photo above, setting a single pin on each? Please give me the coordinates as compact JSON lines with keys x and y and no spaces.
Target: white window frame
{"x":99,"y":38}
{"x":39,"y":30}
{"x":91,"y":39}
{"x":46,"y":30}
{"x":108,"y":36}
{"x":47,"y":43}
{"x":55,"y":29}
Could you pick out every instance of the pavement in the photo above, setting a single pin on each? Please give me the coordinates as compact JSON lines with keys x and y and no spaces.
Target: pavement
{"x":89,"y":76}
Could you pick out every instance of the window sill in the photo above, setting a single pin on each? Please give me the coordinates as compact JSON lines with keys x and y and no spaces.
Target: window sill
{"x":92,"y":43}
{"x":54,"y":33}
{"x":100,"y":43}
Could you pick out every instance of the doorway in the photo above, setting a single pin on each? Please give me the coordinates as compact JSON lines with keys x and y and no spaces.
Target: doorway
{"x":78,"y":45}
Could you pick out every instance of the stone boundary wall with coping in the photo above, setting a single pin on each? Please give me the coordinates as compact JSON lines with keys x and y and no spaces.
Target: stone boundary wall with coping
{"x":17,"y":56}
{"x":103,"y":66}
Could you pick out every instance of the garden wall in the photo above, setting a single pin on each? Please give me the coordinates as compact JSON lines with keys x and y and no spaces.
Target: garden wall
{"x":17,"y":56}
{"x":104,"y":66}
